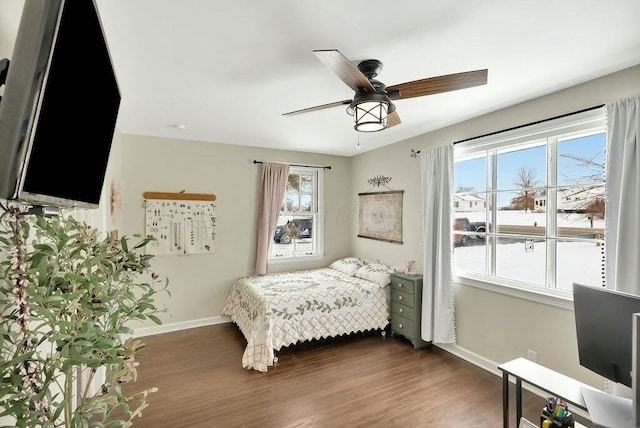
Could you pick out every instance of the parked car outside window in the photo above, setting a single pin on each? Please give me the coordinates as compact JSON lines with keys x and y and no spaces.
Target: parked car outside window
{"x":285,"y":232}
{"x":458,"y":238}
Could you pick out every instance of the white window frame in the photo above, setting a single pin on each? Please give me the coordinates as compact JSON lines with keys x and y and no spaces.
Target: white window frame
{"x":318,"y":222}
{"x":586,"y":122}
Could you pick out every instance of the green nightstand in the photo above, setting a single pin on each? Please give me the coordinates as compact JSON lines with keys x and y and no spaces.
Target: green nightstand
{"x":406,"y":307}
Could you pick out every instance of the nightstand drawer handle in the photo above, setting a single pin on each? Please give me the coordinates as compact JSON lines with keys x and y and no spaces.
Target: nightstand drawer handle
{"x":401,"y":310}
{"x":399,"y":297}
{"x":400,"y":285}
{"x":400,"y":325}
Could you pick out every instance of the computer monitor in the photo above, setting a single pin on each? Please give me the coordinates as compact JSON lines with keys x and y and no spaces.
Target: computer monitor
{"x":604,"y":320}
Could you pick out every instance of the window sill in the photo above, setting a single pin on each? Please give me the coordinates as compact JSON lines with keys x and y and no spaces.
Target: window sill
{"x":542,"y":297}
{"x":297,"y":259}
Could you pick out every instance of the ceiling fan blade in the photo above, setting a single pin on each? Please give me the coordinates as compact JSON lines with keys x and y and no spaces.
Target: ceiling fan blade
{"x":320,"y":107}
{"x":344,"y":69}
{"x":393,"y":119}
{"x":439,"y":84}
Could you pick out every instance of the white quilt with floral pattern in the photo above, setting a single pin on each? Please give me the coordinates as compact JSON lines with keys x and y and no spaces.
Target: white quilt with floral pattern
{"x":281,"y":309}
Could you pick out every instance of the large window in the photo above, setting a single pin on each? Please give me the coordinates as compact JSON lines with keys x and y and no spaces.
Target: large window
{"x":529,"y":205}
{"x":299,"y":228}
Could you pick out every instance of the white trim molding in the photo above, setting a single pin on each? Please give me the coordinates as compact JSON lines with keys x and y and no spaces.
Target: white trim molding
{"x":177,"y":326}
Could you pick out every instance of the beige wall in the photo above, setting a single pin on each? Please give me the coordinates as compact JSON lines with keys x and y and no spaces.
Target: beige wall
{"x":199,"y":283}
{"x":492,"y":326}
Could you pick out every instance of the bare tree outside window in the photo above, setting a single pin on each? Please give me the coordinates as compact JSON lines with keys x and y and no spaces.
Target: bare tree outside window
{"x":593,"y":169}
{"x":465,"y":189}
{"x":591,"y":197}
{"x":525,"y":180}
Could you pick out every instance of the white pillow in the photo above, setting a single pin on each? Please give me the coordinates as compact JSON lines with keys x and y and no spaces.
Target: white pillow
{"x":375,"y":272}
{"x":347,"y":265}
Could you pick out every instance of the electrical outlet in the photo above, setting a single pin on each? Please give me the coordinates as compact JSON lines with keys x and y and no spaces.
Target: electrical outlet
{"x":532,"y":356}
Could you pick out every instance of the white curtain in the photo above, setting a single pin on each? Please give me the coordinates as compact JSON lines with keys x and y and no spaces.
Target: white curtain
{"x":438,"y":302}
{"x":622,"y":245}
{"x":273,"y":182}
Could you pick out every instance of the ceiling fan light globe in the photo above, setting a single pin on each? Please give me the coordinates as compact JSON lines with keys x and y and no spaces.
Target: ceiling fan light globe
{"x":370,"y":116}
{"x":369,"y":127}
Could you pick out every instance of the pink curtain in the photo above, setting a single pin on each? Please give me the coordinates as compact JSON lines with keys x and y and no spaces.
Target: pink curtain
{"x":272,"y":186}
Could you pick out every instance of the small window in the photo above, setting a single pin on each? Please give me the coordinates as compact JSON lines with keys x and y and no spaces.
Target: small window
{"x":298,"y":233}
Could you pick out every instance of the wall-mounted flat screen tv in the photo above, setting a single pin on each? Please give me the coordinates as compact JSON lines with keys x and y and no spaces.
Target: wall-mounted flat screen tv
{"x":59,"y":106}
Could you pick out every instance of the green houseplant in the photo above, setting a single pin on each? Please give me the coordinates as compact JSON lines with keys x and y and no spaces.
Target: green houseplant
{"x":67,"y":297}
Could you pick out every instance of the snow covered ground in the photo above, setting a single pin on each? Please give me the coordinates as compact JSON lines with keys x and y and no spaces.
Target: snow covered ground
{"x":576,"y":262}
{"x":525,"y":261}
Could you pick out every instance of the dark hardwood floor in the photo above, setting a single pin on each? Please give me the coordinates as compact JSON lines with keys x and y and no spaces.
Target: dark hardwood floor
{"x":359,"y":380}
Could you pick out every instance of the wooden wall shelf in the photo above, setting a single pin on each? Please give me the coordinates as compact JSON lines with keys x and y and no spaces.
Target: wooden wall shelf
{"x":180,"y":196}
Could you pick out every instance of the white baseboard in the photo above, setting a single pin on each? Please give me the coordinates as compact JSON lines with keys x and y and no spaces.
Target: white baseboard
{"x":177,"y":326}
{"x":492,"y":367}
{"x":472,"y":357}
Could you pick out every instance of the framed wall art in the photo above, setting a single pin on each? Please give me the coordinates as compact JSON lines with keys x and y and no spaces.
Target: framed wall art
{"x":380,"y":216}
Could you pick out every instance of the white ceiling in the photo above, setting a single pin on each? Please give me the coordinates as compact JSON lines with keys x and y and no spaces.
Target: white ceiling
{"x":228,"y":69}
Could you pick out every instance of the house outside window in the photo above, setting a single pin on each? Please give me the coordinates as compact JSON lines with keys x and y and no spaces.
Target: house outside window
{"x":298,"y":234}
{"x":543,"y":221}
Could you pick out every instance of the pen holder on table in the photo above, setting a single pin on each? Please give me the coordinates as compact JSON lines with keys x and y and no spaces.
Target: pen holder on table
{"x":556,"y":414}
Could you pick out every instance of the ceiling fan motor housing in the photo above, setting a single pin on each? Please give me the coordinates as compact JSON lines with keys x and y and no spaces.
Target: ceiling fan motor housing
{"x":370,"y":68}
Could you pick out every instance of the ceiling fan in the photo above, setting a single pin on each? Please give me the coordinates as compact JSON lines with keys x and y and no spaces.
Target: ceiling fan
{"x":371,"y":104}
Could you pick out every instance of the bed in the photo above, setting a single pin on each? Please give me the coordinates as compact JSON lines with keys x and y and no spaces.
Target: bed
{"x":280,"y":309}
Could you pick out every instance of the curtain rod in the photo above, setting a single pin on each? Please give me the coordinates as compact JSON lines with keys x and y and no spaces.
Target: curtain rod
{"x":531,"y":123}
{"x":414,"y":152}
{"x":295,"y":164}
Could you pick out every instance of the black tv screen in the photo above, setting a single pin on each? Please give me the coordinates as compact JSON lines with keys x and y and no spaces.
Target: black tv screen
{"x":59,"y":106}
{"x":604,"y":320}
